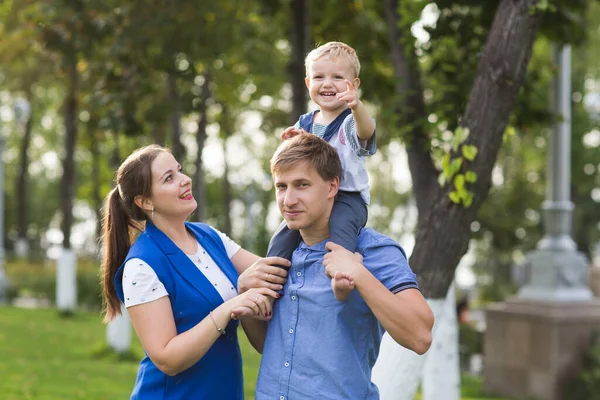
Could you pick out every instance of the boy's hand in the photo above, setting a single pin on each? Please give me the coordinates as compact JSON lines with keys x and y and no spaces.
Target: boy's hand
{"x":291,"y":132}
{"x":342,"y":260}
{"x":350,"y":96}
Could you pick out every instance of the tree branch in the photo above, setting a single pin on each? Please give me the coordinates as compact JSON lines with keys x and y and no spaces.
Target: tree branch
{"x":411,"y":108}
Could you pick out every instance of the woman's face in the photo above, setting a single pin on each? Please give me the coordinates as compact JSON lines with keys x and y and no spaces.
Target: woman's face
{"x":171,"y":188}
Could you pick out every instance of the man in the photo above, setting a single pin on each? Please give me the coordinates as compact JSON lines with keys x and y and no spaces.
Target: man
{"x":317,"y":347}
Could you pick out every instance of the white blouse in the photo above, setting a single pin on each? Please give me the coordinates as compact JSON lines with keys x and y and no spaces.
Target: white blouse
{"x":141,"y":284}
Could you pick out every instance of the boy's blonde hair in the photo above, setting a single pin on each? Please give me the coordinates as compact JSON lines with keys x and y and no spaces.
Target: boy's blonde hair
{"x":335,"y":50}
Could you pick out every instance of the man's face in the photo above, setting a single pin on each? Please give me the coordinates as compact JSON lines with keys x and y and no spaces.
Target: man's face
{"x":303,"y":197}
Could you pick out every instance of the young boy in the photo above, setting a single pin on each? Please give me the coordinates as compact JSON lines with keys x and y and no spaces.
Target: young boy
{"x":342,"y":120}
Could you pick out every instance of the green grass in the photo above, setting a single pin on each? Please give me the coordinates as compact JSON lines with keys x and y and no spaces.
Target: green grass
{"x":45,"y":357}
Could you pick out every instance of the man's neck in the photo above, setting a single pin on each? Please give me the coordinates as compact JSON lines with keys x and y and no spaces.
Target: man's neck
{"x":313,"y":236}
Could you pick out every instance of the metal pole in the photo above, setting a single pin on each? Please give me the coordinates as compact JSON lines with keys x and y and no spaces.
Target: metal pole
{"x":557,"y":271}
{"x":558,"y":207}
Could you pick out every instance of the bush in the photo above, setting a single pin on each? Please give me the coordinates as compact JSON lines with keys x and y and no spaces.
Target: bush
{"x":469,"y":342}
{"x":38,"y":280}
{"x":586,"y":385}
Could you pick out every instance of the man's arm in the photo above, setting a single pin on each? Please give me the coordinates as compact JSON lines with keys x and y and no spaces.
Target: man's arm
{"x":255,"y":271}
{"x":406,"y":316}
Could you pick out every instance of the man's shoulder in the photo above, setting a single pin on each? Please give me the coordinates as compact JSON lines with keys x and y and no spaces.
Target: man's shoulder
{"x":369,"y":240}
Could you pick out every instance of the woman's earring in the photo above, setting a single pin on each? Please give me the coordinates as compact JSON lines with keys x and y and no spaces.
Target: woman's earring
{"x":152,"y":217}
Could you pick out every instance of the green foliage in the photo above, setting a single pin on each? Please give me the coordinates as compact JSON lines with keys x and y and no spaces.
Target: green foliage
{"x":542,"y":6}
{"x":38,"y":280}
{"x":126,"y":52}
{"x":586,"y":385}
{"x":454,"y":166}
{"x":470,"y":342}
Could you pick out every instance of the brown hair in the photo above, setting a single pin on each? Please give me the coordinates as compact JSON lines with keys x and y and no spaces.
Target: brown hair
{"x":307,"y":147}
{"x":123,"y":219}
{"x":335,"y":50}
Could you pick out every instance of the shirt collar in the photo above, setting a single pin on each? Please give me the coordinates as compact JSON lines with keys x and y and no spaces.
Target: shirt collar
{"x":315,"y":247}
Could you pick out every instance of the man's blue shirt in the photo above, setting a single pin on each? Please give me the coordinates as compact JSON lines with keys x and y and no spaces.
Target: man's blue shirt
{"x":318,"y":347}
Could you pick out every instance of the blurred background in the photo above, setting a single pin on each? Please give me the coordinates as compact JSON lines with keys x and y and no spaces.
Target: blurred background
{"x":83,"y":83}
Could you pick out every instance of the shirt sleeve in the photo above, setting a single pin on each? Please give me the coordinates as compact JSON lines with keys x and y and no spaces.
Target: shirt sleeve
{"x":231,"y":247}
{"x":361,"y":147}
{"x":387,"y":262}
{"x":140,"y":283}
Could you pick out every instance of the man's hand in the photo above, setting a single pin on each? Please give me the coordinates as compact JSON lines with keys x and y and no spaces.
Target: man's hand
{"x":341,"y":260}
{"x":350,"y":96}
{"x":269,"y":272}
{"x":290,"y":132}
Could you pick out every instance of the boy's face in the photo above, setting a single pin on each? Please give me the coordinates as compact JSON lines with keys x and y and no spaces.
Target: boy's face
{"x":303,"y":197}
{"x":326,"y":78}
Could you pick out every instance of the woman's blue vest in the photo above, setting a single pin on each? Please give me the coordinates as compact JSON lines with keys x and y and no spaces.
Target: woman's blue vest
{"x":218,"y":375}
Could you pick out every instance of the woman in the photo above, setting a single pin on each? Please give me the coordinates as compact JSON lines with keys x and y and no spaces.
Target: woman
{"x":179,"y":282}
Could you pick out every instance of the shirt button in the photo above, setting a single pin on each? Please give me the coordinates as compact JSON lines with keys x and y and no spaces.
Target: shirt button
{"x":298,"y":273}
{"x":287,"y":364}
{"x":281,"y":398}
{"x":291,"y":330}
{"x":293,"y":297}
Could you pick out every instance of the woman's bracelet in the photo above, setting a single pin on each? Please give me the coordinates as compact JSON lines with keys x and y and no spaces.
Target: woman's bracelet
{"x":220,"y":330}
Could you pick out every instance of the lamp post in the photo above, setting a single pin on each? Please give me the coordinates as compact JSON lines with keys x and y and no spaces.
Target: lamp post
{"x":557,"y":271}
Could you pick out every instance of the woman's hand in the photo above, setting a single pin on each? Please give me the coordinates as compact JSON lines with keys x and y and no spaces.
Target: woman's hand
{"x":255,"y":303}
{"x":268,"y":272}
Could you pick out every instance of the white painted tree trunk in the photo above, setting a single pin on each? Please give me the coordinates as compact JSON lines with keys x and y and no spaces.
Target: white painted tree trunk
{"x":398,"y":371}
{"x":21,"y":247}
{"x":441,"y":375}
{"x":66,"y":281}
{"x":118,"y":332}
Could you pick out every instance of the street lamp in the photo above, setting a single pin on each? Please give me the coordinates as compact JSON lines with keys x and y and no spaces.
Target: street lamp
{"x":557,"y":271}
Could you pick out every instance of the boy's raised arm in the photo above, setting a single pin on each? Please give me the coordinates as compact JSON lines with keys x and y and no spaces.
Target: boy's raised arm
{"x":365,"y":127}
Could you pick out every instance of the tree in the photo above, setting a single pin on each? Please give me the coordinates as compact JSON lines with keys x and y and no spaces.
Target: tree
{"x":465,"y":164}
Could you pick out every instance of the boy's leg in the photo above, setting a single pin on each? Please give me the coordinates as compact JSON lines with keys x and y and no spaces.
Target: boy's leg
{"x":348,"y":216}
{"x":284,"y":242}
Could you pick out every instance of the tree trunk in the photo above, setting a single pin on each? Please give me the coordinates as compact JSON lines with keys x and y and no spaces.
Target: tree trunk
{"x":22,"y":199}
{"x":411,"y":111}
{"x":96,"y":184}
{"x":175,"y":99}
{"x":441,"y":372}
{"x":158,"y":133}
{"x":68,"y":177}
{"x":443,"y":233}
{"x":200,"y":184}
{"x":300,"y":41}
{"x":115,"y":159}
{"x":226,"y":193}
{"x":398,"y":371}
